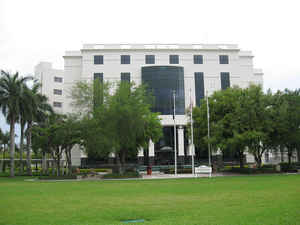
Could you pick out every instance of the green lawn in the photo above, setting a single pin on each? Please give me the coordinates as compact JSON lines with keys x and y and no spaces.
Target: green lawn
{"x":240,"y":200}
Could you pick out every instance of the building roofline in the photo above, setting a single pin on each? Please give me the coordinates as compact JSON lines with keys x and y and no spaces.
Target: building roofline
{"x":157,"y":46}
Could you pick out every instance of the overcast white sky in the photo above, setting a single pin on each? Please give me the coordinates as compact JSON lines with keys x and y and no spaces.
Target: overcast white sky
{"x":33,"y":31}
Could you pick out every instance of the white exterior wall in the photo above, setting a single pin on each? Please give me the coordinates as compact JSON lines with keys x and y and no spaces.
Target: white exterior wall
{"x":79,"y":65}
{"x":45,"y":74}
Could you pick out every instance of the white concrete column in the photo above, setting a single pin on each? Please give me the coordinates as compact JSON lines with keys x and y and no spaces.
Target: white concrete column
{"x":141,"y":152}
{"x":180,"y":132}
{"x":151,"y":148}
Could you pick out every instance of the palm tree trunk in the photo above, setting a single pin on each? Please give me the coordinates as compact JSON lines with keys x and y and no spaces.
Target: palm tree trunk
{"x":21,"y":148}
{"x":12,"y":147}
{"x":29,"y":170}
{"x":4,"y":166}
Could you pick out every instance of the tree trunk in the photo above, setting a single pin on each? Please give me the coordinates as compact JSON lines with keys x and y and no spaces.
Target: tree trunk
{"x":281,"y":153}
{"x":241,"y":158}
{"x":58,"y":161}
{"x":119,"y":165}
{"x":58,"y":167}
{"x":29,"y":170}
{"x":290,"y":152}
{"x":1,"y":165}
{"x":12,"y":147}
{"x":3,"y":157}
{"x":21,"y":147}
{"x":258,"y":160}
{"x":69,"y":161}
{"x":44,"y":163}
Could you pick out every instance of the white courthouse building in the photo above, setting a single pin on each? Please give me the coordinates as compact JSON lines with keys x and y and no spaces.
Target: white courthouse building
{"x":186,"y":68}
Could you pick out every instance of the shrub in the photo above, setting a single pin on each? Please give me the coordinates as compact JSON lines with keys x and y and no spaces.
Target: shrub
{"x":68,"y":177}
{"x":179,"y":170}
{"x":121,"y":176}
{"x":82,"y":171}
{"x":252,"y":170}
{"x":286,"y":167}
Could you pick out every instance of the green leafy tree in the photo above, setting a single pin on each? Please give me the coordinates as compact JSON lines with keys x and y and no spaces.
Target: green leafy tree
{"x":59,"y":135}
{"x":121,"y":122}
{"x":38,"y":111}
{"x":11,"y":92}
{"x":287,"y":131}
{"x":255,"y":117}
{"x":226,"y":127}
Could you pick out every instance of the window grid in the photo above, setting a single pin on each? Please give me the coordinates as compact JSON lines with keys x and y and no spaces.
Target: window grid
{"x":225,"y":80}
{"x":57,"y":104}
{"x":150,"y":59}
{"x":199,"y":87}
{"x":198,"y":59}
{"x":125,"y":59}
{"x":57,"y":91}
{"x":98,"y":76}
{"x":58,"y":79}
{"x":223,"y":59}
{"x":174,"y":59}
{"x":98,"y":59}
{"x":125,"y":77}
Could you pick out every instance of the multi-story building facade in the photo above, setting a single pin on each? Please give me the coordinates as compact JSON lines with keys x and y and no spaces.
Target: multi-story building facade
{"x":192,"y":70}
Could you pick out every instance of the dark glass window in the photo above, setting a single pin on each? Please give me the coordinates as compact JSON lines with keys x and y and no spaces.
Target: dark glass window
{"x":174,"y":59}
{"x":224,"y":59}
{"x":57,"y":91}
{"x":58,"y":79}
{"x":125,"y":59}
{"x":225,"y":80}
{"x":198,"y":59}
{"x":150,"y":59}
{"x":125,"y":77}
{"x":57,"y":104}
{"x":98,"y":90}
{"x":199,"y":87}
{"x":98,"y":59}
{"x":161,"y":81}
{"x":98,"y":76}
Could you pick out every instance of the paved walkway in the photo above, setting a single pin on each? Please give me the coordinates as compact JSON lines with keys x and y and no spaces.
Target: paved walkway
{"x":172,"y":176}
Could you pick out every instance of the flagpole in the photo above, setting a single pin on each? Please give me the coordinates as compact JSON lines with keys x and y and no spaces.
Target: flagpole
{"x":208,"y":130}
{"x":192,"y":135}
{"x":175,"y":144}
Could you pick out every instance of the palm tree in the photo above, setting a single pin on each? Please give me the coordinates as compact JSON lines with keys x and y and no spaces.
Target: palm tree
{"x":5,"y":142}
{"x":11,"y":91}
{"x":38,"y":111}
{"x":26,"y":110}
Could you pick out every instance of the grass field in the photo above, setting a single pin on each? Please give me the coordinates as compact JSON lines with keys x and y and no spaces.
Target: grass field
{"x":239,"y":200}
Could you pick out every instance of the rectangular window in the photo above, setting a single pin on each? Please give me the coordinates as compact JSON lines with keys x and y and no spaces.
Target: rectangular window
{"x":150,"y":59}
{"x":98,"y":59}
{"x":224,"y":59}
{"x":125,"y":77}
{"x":57,"y":91}
{"x":225,"y":80}
{"x":199,"y":87}
{"x":58,"y":79}
{"x":125,"y":59}
{"x":98,"y":76}
{"x":57,"y":104}
{"x":174,"y":59}
{"x":98,"y":89}
{"x":198,"y":59}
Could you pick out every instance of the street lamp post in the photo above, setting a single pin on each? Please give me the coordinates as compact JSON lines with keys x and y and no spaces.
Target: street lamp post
{"x":175,"y":144}
{"x":192,"y":135}
{"x":208,"y":130}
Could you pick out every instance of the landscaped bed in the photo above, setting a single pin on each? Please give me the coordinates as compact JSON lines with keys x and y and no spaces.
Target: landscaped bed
{"x":266,"y":199}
